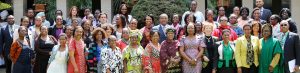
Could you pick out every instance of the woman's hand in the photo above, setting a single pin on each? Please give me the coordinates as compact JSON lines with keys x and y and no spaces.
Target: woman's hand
{"x":239,"y":70}
{"x":271,"y":69}
{"x":214,"y":71}
{"x":192,"y":62}
{"x":76,"y":70}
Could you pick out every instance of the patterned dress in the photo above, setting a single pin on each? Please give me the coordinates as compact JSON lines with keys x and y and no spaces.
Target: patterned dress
{"x":134,"y":59}
{"x":78,"y":48}
{"x":151,"y":58}
{"x":112,"y":60}
{"x":191,"y":50}
{"x":169,"y":49}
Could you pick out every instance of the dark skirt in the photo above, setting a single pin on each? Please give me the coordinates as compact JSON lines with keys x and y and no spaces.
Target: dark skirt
{"x":208,"y":68}
{"x":231,"y":69}
{"x":22,"y":68}
{"x":252,"y":69}
{"x":227,"y":70}
{"x":41,"y":63}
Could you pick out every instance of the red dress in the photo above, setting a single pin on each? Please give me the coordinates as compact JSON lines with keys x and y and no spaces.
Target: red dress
{"x":78,"y":48}
{"x":218,"y":33}
{"x":121,"y":44}
{"x":151,"y":59}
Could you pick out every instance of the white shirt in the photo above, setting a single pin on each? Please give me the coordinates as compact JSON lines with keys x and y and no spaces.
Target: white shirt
{"x":199,"y":17}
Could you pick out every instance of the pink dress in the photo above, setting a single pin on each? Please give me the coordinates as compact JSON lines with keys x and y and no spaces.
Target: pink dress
{"x":78,"y":48}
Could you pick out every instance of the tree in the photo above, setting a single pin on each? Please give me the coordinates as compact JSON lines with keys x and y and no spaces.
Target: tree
{"x":157,"y":7}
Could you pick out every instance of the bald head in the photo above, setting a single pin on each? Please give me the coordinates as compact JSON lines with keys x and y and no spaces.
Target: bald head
{"x":259,"y":3}
{"x":284,"y":26}
{"x":163,"y":19}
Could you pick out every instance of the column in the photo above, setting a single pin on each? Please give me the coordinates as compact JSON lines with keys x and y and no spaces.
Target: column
{"x":295,"y":13}
{"x":19,"y":9}
{"x":106,"y":7}
{"x":62,"y":5}
{"x":201,"y":6}
{"x":249,"y":4}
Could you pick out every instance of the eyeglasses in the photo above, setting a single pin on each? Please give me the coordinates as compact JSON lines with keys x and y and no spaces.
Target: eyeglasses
{"x":223,"y":20}
{"x":283,"y":24}
{"x":58,"y":19}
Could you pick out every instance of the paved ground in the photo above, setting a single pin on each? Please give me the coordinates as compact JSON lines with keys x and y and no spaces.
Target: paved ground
{"x":2,"y":70}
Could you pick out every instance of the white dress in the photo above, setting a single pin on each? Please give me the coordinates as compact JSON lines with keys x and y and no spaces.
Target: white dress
{"x":59,"y":64}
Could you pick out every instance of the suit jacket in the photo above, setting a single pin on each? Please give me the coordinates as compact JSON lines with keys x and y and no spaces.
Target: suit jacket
{"x":292,"y":48}
{"x":1,"y":42}
{"x":292,"y":24}
{"x":162,"y":34}
{"x":266,"y":14}
{"x":7,"y":39}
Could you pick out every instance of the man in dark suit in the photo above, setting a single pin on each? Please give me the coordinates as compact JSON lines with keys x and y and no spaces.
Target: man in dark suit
{"x":163,"y":24}
{"x":265,"y":14}
{"x":291,"y":46}
{"x":7,"y":37}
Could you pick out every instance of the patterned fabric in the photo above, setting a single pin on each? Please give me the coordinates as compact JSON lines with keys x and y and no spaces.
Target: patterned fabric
{"x":151,"y":58}
{"x":93,"y":57}
{"x":191,"y":49}
{"x":134,"y":59}
{"x":250,"y":53}
{"x":78,"y":48}
{"x":169,"y":49}
{"x":122,"y":44}
{"x":112,"y":60}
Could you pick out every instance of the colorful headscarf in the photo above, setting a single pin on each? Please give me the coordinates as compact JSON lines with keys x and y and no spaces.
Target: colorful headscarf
{"x":136,"y":33}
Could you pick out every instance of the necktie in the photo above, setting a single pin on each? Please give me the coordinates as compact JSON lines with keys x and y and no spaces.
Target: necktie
{"x":11,"y":30}
{"x":283,"y":38}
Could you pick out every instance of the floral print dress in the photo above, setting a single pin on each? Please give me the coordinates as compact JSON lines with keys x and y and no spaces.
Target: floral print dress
{"x":112,"y":60}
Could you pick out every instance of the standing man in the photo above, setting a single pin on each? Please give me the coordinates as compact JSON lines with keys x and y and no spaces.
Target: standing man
{"x":264,"y":13}
{"x":30,"y":15}
{"x":7,"y":38}
{"x":291,"y":46}
{"x":163,"y":24}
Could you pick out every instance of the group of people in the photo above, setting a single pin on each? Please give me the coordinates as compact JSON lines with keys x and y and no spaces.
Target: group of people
{"x":193,"y":43}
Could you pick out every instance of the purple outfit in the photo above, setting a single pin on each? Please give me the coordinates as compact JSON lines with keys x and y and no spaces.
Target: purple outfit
{"x":191,"y":50}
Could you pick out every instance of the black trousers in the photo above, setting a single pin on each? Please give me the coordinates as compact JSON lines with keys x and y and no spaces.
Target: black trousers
{"x":208,"y":68}
{"x":7,"y":64}
{"x":252,"y":69}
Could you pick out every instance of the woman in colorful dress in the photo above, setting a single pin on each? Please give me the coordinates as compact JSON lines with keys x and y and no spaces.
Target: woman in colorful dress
{"x":77,"y":63}
{"x":133,"y":53}
{"x":94,"y":58}
{"x":149,"y":20}
{"x":169,"y":53}
{"x":151,"y":62}
{"x":43,"y":47}
{"x":59,"y":56}
{"x":21,"y":54}
{"x":191,"y":50}
{"x":271,"y":54}
{"x":111,"y":57}
{"x":225,"y":62}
